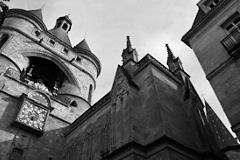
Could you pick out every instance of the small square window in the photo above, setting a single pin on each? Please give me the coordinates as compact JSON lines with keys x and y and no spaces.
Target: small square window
{"x":78,"y":59}
{"x":52,"y":42}
{"x":37,"y":33}
{"x":65,"y":50}
{"x":211,"y":5}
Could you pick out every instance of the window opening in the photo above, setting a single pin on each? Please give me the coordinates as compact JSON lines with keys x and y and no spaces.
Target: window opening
{"x":213,"y":3}
{"x":44,"y":75}
{"x":65,"y":26}
{"x":73,"y":104}
{"x":78,"y":59}
{"x":233,"y":24}
{"x":65,"y":50}
{"x":52,"y":42}
{"x":17,"y":154}
{"x":37,"y":33}
{"x":3,"y":39}
{"x":90,"y":94}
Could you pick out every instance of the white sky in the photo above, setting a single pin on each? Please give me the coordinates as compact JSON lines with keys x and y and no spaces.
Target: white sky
{"x":149,"y":23}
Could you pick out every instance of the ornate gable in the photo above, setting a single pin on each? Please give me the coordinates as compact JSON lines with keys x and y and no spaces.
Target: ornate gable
{"x":122,"y":84}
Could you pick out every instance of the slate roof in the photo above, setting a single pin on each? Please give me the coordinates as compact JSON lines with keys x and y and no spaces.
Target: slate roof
{"x":61,"y":34}
{"x":199,"y":17}
{"x":37,"y":12}
{"x":222,"y":136}
{"x":82,"y":46}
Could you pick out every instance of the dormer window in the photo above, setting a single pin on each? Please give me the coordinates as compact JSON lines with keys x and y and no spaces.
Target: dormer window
{"x":65,"y":26}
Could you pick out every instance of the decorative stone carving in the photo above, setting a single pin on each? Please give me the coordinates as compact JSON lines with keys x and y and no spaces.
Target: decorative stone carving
{"x":12,"y":73}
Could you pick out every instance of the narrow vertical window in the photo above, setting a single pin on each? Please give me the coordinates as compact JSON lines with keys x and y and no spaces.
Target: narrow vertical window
{"x":3,"y":39}
{"x":90,"y":94}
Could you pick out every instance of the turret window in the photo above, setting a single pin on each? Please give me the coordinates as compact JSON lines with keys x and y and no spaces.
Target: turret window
{"x":3,"y":39}
{"x":65,"y":50}
{"x":73,"y":104}
{"x":52,"y":42}
{"x":90,"y":94}
{"x":78,"y":59}
{"x":65,"y":26}
{"x":37,"y":33}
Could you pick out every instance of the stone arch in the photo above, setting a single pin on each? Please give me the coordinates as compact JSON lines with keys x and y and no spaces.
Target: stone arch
{"x":15,"y":64}
{"x":40,"y":97}
{"x":59,"y":63}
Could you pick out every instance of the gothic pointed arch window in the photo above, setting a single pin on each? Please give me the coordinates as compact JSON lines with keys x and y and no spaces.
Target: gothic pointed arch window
{"x":3,"y":39}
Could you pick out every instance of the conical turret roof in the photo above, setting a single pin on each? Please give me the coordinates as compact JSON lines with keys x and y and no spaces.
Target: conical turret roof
{"x":37,"y":12}
{"x":82,"y":46}
{"x":60,"y":34}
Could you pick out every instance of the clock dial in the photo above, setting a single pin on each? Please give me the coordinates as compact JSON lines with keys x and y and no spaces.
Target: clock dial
{"x":32,"y":115}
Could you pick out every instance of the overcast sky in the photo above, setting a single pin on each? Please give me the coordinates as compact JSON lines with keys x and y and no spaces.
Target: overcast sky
{"x":149,"y":23}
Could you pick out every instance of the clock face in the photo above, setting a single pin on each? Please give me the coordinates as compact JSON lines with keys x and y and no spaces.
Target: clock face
{"x":32,"y":115}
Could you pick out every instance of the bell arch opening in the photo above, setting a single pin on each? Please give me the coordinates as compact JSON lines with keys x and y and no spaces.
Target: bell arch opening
{"x":44,"y":75}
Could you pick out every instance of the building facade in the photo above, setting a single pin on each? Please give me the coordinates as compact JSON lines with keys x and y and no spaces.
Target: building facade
{"x":46,"y":84}
{"x":214,"y":37}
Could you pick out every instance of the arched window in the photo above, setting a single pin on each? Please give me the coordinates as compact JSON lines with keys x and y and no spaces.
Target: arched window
{"x":44,"y":75}
{"x":3,"y":39}
{"x":65,"y":26}
{"x":73,"y":104}
{"x":90,"y":94}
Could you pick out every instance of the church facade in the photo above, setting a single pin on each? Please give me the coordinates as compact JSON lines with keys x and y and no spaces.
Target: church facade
{"x":46,"y":85}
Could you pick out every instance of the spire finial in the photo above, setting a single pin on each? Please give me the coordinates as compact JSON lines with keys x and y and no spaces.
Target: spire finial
{"x":44,"y":4}
{"x":129,"y":45}
{"x":169,"y":51}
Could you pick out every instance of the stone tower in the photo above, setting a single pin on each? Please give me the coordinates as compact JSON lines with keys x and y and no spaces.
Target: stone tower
{"x":45,"y":84}
{"x":214,"y":38}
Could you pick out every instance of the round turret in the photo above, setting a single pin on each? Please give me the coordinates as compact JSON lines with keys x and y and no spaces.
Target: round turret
{"x":61,"y":29}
